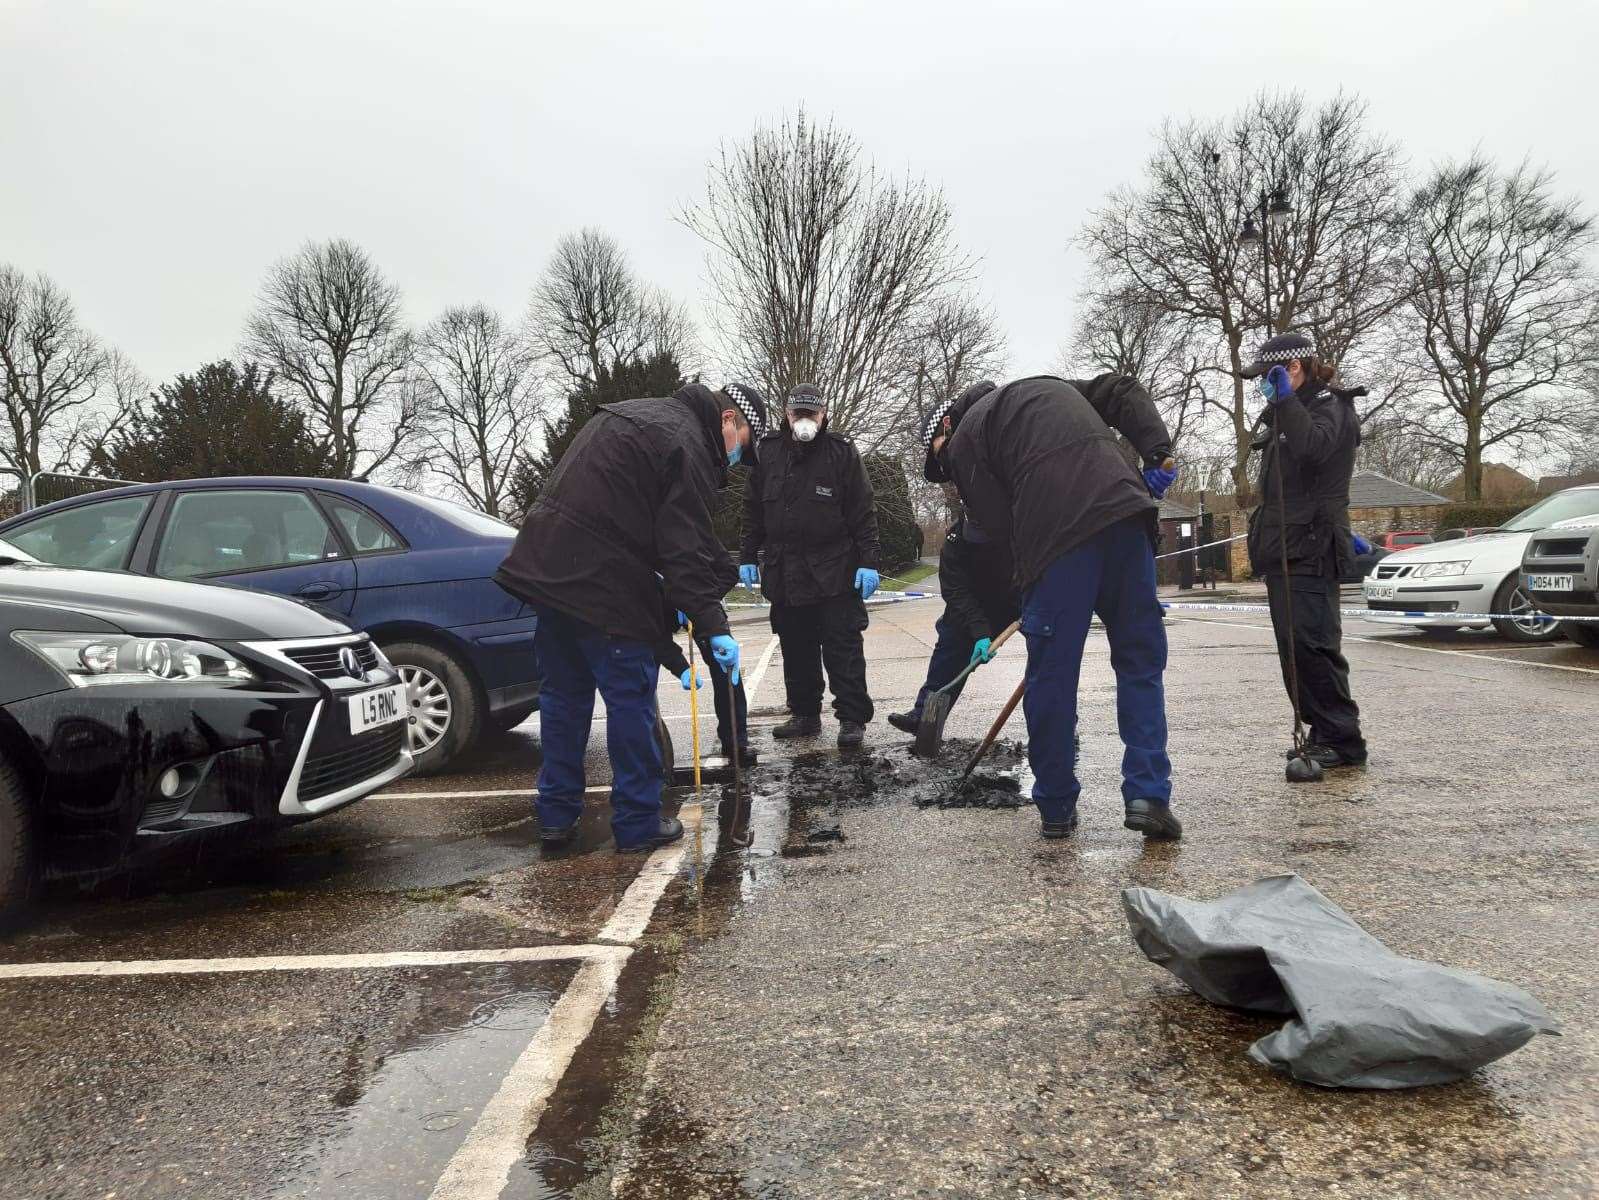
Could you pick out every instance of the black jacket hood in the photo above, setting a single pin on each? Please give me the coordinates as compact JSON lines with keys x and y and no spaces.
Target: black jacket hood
{"x":702,"y":402}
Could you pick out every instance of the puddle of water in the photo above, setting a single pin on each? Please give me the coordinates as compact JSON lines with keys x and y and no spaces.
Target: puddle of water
{"x":390,"y":1136}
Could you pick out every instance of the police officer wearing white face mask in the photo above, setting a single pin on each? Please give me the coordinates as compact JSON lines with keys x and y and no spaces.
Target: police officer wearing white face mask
{"x":810,"y":508}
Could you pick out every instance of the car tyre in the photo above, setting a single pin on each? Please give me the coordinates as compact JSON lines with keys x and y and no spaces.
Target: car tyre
{"x":16,"y":842}
{"x":1512,"y":599}
{"x":446,"y":715}
{"x":1582,"y":633}
{"x":663,"y":739}
{"x":506,"y":721}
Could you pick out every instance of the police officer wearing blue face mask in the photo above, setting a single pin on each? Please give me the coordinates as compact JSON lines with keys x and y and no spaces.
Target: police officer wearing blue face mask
{"x":1308,"y":449}
{"x":623,"y":527}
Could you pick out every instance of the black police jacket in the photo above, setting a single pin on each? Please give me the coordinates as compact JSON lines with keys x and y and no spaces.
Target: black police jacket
{"x":1310,"y":445}
{"x":1037,"y":463}
{"x":630,"y":499}
{"x":810,"y":508}
{"x":975,"y":579}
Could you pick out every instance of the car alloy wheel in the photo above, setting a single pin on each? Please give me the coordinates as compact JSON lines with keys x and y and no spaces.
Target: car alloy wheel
{"x":1523,"y":621}
{"x":430,"y":707}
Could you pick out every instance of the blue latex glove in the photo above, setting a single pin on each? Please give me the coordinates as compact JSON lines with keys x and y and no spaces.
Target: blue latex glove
{"x":725,"y":650}
{"x":866,"y":581}
{"x":682,"y":619}
{"x":690,"y":678}
{"x":1362,"y":546}
{"x":983,"y":651}
{"x":1158,"y":480}
{"x":1281,"y":389}
{"x":749,"y":575}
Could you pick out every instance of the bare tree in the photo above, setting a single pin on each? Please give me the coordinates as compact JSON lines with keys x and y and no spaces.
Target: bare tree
{"x":1336,"y":264}
{"x":589,"y":308}
{"x":481,"y":401}
{"x":64,"y":391}
{"x":1121,"y":332}
{"x":820,"y":264}
{"x":330,"y":325}
{"x":1504,"y":305}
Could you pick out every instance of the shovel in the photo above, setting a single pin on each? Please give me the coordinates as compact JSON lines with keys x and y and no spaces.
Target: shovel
{"x":930,"y":733}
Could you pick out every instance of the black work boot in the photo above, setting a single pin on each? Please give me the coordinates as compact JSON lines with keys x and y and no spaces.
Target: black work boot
{"x":850,"y":734}
{"x":1153,"y":819}
{"x":671,"y":829}
{"x":747,"y":756}
{"x":1329,"y":758}
{"x":555,"y":839}
{"x":798,"y":727}
{"x":906,"y":722}
{"x":1054,"y":830}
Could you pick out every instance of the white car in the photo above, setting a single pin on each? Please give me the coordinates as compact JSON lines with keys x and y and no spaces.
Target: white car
{"x":1458,"y":583}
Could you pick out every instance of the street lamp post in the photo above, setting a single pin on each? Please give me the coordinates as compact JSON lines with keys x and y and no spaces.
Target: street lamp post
{"x":1274,"y":211}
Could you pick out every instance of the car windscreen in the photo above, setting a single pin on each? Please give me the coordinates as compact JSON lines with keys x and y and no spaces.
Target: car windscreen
{"x":1413,"y":539}
{"x":1562,"y":506}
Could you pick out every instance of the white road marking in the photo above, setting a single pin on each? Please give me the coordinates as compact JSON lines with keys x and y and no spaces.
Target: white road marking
{"x":304,"y":962}
{"x":1348,"y":637}
{"x":480,"y":1169}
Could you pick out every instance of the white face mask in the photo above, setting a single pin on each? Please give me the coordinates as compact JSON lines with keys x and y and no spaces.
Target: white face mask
{"x":805,"y":429}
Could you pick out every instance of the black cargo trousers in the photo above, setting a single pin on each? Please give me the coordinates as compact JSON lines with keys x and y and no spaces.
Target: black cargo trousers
{"x":825,"y":633}
{"x":1325,"y":700}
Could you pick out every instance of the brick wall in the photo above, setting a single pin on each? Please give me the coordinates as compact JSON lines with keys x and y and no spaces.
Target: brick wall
{"x":1368,"y":522}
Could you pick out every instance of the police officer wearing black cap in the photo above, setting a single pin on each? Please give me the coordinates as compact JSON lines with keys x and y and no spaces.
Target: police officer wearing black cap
{"x":810,"y":508}
{"x":1308,"y":443}
{"x":622,"y":528}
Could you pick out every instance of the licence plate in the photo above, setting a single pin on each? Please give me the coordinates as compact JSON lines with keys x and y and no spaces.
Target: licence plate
{"x":1380,"y":591}
{"x":1551,"y":583}
{"x":382,"y":706}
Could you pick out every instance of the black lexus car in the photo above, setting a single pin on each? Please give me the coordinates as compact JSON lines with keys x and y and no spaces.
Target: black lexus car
{"x":145,"y":720}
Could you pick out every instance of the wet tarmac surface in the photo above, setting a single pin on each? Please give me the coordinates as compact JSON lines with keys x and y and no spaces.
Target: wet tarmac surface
{"x":862,"y":983}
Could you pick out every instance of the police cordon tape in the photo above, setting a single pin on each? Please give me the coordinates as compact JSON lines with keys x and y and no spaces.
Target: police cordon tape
{"x":1385,"y":613}
{"x":881,"y":596}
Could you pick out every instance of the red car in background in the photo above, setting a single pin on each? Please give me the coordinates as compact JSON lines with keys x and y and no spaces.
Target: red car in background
{"x":1401,"y":539}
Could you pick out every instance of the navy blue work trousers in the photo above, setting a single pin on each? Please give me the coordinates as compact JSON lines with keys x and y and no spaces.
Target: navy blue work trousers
{"x":575,"y":660}
{"x":1112,"y":574}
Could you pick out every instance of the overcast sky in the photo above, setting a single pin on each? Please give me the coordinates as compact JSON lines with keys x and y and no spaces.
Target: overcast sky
{"x":155,"y":157}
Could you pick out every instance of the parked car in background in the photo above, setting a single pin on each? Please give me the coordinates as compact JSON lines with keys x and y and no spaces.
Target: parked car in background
{"x":1475,"y":581}
{"x":1449,"y":535}
{"x":1560,"y":571}
{"x":143,"y":720}
{"x":412,"y":571}
{"x":1401,"y":540}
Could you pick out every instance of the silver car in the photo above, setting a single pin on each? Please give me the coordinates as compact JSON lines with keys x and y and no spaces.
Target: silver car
{"x":1474,"y":582}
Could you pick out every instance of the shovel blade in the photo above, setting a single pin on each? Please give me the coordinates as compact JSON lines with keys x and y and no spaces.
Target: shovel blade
{"x":930,"y":733}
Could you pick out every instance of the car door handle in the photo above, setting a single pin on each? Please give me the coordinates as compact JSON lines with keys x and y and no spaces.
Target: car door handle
{"x":318,"y":591}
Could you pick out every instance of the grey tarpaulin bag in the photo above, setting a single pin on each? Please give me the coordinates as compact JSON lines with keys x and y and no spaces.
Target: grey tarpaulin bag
{"x":1363,"y":1015}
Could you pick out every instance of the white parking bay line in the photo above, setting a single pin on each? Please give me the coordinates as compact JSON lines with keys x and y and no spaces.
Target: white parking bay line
{"x":481,"y":1168}
{"x":305,"y":962}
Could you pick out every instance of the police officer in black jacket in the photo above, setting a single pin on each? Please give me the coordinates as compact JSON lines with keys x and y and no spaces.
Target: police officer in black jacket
{"x":975,"y":579}
{"x":1308,"y":449}
{"x":1037,"y":464}
{"x":810,"y":508}
{"x":628,"y":507}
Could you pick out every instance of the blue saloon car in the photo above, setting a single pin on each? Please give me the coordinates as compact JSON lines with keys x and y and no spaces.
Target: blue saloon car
{"x":413,"y":571}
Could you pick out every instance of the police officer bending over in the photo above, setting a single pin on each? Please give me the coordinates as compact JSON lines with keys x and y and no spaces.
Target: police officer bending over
{"x":1037,"y":464}
{"x":975,"y":578}
{"x":630,"y":499}
{"x":810,"y":507}
{"x":1312,"y":432}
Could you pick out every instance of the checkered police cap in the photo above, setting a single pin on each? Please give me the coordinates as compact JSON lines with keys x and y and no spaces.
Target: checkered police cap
{"x":1285,"y":347}
{"x":749,"y":401}
{"x":935,"y":420}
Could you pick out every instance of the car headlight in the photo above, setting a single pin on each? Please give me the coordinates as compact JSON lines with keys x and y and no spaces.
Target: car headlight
{"x":1440,"y":570}
{"x":87,"y":659}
